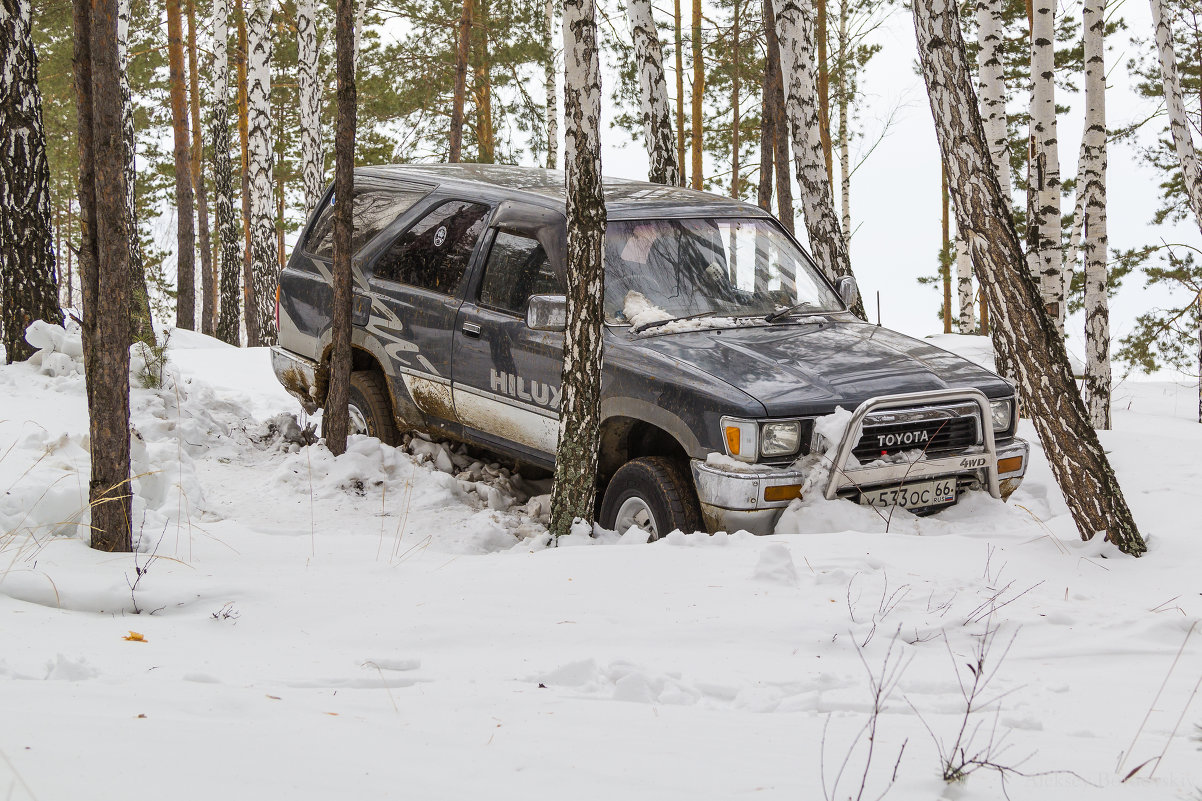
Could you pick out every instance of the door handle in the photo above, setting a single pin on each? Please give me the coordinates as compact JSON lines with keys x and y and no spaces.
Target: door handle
{"x":471,"y":330}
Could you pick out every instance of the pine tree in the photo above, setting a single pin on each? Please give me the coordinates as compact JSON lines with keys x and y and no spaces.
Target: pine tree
{"x":575,"y":478}
{"x":28,"y":289}
{"x":141,"y":325}
{"x":185,"y":310}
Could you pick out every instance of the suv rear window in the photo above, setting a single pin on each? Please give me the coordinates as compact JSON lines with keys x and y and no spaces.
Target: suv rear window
{"x":433,"y":254}
{"x":373,"y":210}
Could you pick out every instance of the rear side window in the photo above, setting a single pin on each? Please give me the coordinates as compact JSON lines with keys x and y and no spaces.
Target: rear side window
{"x":374,"y":209}
{"x":517,"y":268}
{"x":434,"y":253}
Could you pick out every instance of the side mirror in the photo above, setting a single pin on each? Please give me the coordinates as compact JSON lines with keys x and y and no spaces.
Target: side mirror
{"x":547,"y":313}
{"x":848,"y":291}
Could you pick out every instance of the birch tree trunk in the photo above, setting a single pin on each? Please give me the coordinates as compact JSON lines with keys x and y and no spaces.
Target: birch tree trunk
{"x":264,"y":265}
{"x":575,"y":477}
{"x":1183,"y":140}
{"x":993,"y":89}
{"x":551,"y":115}
{"x":310,"y":102}
{"x":104,"y":263}
{"x":844,"y":104}
{"x":28,"y":290}
{"x":141,"y":325}
{"x":801,"y":115}
{"x":459,"y":98}
{"x":964,"y":284}
{"x":1093,"y":187}
{"x":337,"y":421}
{"x":945,"y":256}
{"x":185,"y":239}
{"x":776,"y":121}
{"x":653,"y":94}
{"x":229,"y":258}
{"x":1030,"y":338}
{"x":204,"y":240}
{"x":1044,"y":256}
{"x":248,"y":281}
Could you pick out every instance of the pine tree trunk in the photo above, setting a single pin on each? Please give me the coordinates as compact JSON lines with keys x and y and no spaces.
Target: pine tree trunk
{"x":826,"y":240}
{"x":140,"y":321}
{"x":204,"y":240}
{"x":967,"y":322}
{"x":763,"y":195}
{"x":185,"y":259}
{"x":104,"y":262}
{"x":678,"y":40}
{"x":486,"y":142}
{"x":310,"y":102}
{"x":1183,"y":140}
{"x":1097,"y":311}
{"x":229,"y":260}
{"x":780,"y":132}
{"x":28,"y":290}
{"x":734,"y":112}
{"x":653,"y":93}
{"x":580,"y":405}
{"x":551,"y":115}
{"x":460,"y":97}
{"x":336,"y":423}
{"x":265,"y":266}
{"x":1030,"y":338}
{"x":698,"y":138}
{"x":1044,"y":256}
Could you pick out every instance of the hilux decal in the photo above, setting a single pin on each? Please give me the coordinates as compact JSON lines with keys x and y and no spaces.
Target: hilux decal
{"x":517,"y":387}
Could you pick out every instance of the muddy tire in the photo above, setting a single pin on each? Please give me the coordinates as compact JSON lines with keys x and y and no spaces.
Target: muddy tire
{"x":370,"y":407}
{"x":655,"y":494}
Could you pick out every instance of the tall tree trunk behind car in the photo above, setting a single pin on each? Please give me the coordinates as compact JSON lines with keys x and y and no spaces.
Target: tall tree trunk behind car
{"x":309,"y":91}
{"x":580,"y":403}
{"x":28,"y":290}
{"x":551,"y":113}
{"x":207,"y":321}
{"x":265,"y":266}
{"x":336,"y":421}
{"x":104,"y":262}
{"x":141,"y":326}
{"x":1044,"y":256}
{"x":229,"y":257}
{"x":653,"y":94}
{"x":1029,"y":338}
{"x":185,"y":231}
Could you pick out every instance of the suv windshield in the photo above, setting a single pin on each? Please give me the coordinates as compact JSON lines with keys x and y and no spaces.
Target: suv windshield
{"x":659,"y":270}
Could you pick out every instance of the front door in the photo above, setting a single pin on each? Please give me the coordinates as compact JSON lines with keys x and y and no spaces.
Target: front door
{"x":507,"y":376}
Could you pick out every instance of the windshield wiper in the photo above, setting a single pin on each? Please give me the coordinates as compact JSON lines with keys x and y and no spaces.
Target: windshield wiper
{"x":657,"y":323}
{"x":778,"y":314}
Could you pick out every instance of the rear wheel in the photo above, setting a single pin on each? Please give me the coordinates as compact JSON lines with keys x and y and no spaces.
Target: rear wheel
{"x":369,"y":407}
{"x":653,"y":493}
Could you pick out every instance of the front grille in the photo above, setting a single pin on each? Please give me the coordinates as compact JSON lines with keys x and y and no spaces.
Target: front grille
{"x":936,"y":436}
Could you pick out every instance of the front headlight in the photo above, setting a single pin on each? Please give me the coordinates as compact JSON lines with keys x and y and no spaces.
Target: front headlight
{"x":1003,"y":411}
{"x":780,"y":439}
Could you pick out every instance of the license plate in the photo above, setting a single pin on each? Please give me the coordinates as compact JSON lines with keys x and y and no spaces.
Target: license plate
{"x":912,"y":496}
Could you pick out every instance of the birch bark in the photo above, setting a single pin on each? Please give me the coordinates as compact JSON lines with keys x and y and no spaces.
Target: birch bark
{"x":1092,"y":185}
{"x":229,"y":259}
{"x":141,"y":326}
{"x":580,"y":404}
{"x":28,"y":290}
{"x":826,"y":239}
{"x":551,"y":115}
{"x":204,"y":240}
{"x":1044,"y":256}
{"x":1030,"y":338}
{"x":653,"y":94}
{"x":967,"y":320}
{"x":264,"y":264}
{"x":1183,"y":140}
{"x":308,"y":56}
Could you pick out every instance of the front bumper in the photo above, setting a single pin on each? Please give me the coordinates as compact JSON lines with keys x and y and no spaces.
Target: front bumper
{"x":738,"y":498}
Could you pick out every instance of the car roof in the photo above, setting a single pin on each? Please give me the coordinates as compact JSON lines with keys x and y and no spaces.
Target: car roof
{"x":624,"y":198}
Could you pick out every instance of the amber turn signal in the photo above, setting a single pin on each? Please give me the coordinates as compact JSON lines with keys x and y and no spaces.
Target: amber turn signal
{"x":783,"y":492}
{"x":1010,"y":465}
{"x":732,"y":440}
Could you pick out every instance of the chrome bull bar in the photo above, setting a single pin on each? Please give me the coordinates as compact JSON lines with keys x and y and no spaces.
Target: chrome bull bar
{"x":983,"y":456}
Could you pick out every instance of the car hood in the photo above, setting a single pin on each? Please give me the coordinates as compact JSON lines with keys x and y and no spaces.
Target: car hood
{"x":814,"y":364}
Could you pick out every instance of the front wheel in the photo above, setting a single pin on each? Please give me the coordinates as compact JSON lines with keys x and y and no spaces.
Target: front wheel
{"x":370,"y":408}
{"x":653,"y":493}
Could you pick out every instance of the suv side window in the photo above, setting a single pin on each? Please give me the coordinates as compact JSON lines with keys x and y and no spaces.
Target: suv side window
{"x":373,"y":210}
{"x":517,"y":268}
{"x":434,"y":253}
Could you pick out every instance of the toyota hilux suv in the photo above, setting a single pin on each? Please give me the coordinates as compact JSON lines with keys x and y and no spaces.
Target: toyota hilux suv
{"x":723,"y":346}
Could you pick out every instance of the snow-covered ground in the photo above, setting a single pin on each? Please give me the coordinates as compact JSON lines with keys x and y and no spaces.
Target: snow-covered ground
{"x":376,"y":627}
